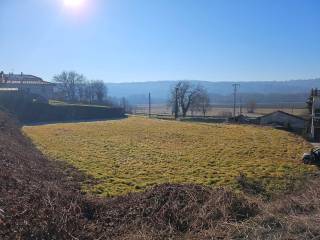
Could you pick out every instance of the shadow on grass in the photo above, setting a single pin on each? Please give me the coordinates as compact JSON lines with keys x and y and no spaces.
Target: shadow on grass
{"x":73,"y":121}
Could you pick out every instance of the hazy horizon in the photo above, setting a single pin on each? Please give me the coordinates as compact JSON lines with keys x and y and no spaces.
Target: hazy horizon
{"x":146,"y":41}
{"x":198,"y":80}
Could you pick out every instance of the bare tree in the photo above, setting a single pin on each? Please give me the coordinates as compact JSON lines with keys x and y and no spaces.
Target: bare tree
{"x":99,"y":90}
{"x":182,"y":95}
{"x":200,"y":101}
{"x":193,"y":108}
{"x":80,"y":90}
{"x":251,"y":106}
{"x":195,"y":105}
{"x":173,"y":102}
{"x":67,"y":83}
{"x":88,"y":92}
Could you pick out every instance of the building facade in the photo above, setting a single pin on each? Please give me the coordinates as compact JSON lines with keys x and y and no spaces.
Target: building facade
{"x":284,"y":120}
{"x":315,"y":115}
{"x":27,"y":83}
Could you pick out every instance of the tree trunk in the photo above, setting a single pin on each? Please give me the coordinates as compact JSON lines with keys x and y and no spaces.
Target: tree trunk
{"x":184,"y":115}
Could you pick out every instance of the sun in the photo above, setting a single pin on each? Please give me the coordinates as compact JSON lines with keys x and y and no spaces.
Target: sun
{"x":74,"y":3}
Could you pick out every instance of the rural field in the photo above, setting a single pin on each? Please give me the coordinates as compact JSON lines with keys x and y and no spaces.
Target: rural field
{"x":224,"y":111}
{"x":135,"y":153}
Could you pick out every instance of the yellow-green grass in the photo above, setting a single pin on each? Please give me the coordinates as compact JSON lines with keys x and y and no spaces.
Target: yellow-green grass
{"x":136,"y":153}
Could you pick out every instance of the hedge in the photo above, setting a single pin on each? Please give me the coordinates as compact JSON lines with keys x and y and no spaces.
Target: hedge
{"x":29,"y":109}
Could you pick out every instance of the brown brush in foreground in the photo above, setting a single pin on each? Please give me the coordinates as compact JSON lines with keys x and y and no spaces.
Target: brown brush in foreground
{"x":41,"y":200}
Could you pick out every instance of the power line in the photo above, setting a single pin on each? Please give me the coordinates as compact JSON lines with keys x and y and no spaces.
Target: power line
{"x":149,"y":104}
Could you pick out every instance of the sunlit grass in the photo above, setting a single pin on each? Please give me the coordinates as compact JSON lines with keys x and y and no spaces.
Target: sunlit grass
{"x":135,"y":153}
{"x":60,"y":103}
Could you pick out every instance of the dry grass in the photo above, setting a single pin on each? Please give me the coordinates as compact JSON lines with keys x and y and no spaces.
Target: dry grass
{"x":39,"y":201}
{"x":136,"y":153}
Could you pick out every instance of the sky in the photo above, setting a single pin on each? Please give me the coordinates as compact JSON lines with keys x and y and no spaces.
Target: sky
{"x":150,"y":40}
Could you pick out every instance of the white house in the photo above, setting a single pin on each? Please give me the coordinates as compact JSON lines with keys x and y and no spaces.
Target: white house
{"x":26,"y":83}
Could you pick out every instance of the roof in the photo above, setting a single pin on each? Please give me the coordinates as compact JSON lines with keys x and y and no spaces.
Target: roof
{"x":21,"y":79}
{"x":285,"y":113}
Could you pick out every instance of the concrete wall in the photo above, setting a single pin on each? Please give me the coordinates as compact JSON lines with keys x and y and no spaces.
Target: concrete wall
{"x":283,"y":119}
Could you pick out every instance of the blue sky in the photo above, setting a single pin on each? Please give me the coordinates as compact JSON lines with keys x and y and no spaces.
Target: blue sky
{"x":148,"y":40}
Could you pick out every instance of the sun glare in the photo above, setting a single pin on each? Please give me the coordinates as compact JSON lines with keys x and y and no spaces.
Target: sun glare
{"x":74,"y":3}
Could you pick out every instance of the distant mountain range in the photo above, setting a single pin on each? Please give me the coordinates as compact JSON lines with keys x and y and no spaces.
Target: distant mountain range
{"x":288,"y":91}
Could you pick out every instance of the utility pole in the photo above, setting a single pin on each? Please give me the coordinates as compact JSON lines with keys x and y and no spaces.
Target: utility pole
{"x":240,"y":108}
{"x":235,"y":88}
{"x":176,"y":106}
{"x":149,"y":104}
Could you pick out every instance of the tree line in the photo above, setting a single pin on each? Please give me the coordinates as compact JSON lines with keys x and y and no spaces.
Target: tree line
{"x":74,"y":87}
{"x":184,"y":95}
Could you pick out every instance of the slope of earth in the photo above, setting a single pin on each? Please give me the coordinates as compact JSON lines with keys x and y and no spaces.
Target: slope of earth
{"x":41,"y":200}
{"x":136,"y":153}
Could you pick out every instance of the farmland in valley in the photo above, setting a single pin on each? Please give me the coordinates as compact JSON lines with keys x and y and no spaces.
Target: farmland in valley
{"x":223,"y":111}
{"x":136,"y":153}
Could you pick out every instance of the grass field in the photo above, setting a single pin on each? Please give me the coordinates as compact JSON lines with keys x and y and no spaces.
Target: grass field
{"x":135,"y":153}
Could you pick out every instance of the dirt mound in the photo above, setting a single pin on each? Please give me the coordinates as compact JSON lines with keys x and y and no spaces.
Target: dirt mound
{"x":172,"y":209}
{"x":33,"y":196}
{"x":41,"y":200}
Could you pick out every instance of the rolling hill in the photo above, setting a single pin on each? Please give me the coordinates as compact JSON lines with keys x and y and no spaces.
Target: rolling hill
{"x":291,"y":91}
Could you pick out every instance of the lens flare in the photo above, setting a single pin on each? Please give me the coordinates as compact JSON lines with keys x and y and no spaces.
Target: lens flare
{"x":75,"y":4}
